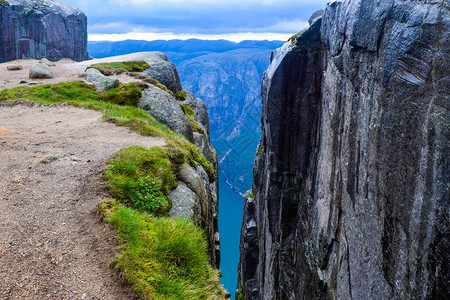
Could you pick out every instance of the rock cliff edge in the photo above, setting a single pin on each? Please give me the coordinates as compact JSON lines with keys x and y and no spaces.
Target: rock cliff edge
{"x":350,"y":188}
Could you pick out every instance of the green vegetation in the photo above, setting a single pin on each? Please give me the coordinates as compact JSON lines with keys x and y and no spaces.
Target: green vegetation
{"x":83,"y":95}
{"x":163,"y":258}
{"x":258,"y":150}
{"x":181,"y":95}
{"x":74,"y":92}
{"x":151,"y":81}
{"x":293,"y":38}
{"x":252,"y":195}
{"x":113,"y":68}
{"x":143,"y":177}
{"x":239,"y":295}
{"x":189,"y":112}
{"x":4,"y":3}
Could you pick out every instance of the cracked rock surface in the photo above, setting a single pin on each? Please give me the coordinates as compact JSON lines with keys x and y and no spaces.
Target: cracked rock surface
{"x":351,"y":183}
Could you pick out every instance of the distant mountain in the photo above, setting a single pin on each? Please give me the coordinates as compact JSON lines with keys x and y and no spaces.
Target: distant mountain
{"x":176,"y":50}
{"x":230,"y":85}
{"x":227,"y":76}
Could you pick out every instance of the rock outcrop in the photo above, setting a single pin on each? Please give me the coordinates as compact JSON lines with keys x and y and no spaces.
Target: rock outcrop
{"x":40,"y":70}
{"x":165,"y":108}
{"x":351,"y":197}
{"x":45,"y":28}
{"x":100,"y":81}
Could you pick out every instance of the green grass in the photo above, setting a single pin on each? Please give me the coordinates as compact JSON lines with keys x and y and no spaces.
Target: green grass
{"x":83,"y":95}
{"x":258,"y":150}
{"x":163,"y":258}
{"x":293,"y":38}
{"x":4,"y":3}
{"x":113,"y":68}
{"x":143,"y":177}
{"x":181,"y":95}
{"x":79,"y":92}
{"x":152,"y":81}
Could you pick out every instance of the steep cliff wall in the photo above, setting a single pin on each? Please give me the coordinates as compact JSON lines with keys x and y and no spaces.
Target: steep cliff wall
{"x":351,"y":181}
{"x":45,"y":28}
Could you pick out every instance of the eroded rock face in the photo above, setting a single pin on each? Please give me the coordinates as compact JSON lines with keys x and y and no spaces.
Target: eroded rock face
{"x":351,"y":183}
{"x":45,"y":28}
{"x":163,"y":70}
{"x":165,"y":108}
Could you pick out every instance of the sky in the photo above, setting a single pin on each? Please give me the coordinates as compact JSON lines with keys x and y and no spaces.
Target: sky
{"x":234,"y":20}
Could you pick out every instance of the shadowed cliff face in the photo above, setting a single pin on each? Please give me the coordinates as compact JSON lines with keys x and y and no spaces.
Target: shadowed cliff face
{"x":37,"y":29}
{"x":351,"y":184}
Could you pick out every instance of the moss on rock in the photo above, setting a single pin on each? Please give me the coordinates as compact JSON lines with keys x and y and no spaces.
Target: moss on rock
{"x":115,"y":68}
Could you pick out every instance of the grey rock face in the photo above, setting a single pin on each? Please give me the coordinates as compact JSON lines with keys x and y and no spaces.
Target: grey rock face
{"x":165,"y":108}
{"x":351,"y":184}
{"x":196,"y":198}
{"x":200,"y":112}
{"x":100,"y":81}
{"x":207,"y":151}
{"x":45,"y":28}
{"x":185,"y":202}
{"x":163,"y":70}
{"x":40,"y":70}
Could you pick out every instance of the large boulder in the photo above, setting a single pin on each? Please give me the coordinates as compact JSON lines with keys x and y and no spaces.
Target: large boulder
{"x":161,"y":69}
{"x":100,"y":81}
{"x":165,"y":108}
{"x":40,"y":71}
{"x":45,"y":28}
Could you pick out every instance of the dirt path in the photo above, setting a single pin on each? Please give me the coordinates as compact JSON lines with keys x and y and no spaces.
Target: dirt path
{"x":52,"y":244}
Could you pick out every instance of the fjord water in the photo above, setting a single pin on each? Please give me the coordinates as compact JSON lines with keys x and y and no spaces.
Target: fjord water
{"x":230,"y":218}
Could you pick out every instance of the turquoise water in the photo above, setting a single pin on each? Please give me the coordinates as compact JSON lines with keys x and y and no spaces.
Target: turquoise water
{"x":230,"y":219}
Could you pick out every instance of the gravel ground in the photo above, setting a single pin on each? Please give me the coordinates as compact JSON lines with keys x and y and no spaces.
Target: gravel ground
{"x":52,"y":243}
{"x":64,"y":70}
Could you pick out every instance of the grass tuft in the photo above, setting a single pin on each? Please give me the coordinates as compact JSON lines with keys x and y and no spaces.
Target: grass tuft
{"x":181,"y":95}
{"x":163,"y":258}
{"x":116,"y":68}
{"x":293,"y":38}
{"x":152,"y":81}
{"x":142,"y":177}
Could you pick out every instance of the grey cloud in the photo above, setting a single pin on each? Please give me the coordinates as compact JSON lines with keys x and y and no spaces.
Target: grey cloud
{"x":212,"y":17}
